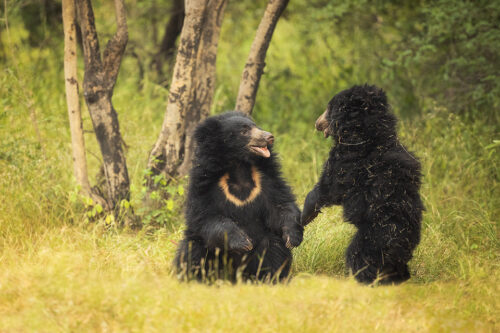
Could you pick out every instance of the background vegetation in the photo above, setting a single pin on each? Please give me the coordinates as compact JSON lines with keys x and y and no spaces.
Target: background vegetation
{"x":437,"y":60}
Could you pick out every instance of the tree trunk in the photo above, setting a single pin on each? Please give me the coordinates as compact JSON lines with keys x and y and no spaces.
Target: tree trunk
{"x":205,"y":76}
{"x":75,"y":117}
{"x":99,"y":80}
{"x":255,"y":64}
{"x":172,"y":31}
{"x":168,"y":151}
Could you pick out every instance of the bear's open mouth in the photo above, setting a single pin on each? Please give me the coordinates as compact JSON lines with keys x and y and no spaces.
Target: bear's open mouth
{"x":262,"y":151}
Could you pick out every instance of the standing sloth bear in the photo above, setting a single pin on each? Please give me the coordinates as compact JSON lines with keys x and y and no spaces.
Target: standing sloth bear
{"x":241,"y":216}
{"x":375,"y":179}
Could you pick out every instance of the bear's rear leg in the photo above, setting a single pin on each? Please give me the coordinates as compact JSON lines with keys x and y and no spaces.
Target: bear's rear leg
{"x":189,"y":260}
{"x":396,"y":274}
{"x":369,"y":263}
{"x":359,"y":259}
{"x":270,"y":262}
{"x":194,"y":261}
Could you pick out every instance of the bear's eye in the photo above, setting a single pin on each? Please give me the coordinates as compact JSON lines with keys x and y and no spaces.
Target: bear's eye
{"x":245,"y":129}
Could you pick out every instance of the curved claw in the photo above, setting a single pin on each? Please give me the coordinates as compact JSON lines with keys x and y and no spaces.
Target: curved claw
{"x":249,"y":246}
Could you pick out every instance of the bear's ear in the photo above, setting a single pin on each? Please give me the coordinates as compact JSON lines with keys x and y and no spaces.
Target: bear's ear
{"x":375,"y":97}
{"x":207,"y":131}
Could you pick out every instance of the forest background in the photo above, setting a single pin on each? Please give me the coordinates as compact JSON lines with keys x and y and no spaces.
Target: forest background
{"x":65,"y":265}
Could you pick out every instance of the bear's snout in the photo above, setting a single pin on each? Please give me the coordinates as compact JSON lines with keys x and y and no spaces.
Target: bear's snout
{"x":261,"y":137}
{"x":268,"y":137}
{"x":322,"y":124}
{"x":259,"y":142}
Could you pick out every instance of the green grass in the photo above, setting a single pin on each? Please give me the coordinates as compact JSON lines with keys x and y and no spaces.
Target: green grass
{"x":59,"y":273}
{"x":73,"y":280}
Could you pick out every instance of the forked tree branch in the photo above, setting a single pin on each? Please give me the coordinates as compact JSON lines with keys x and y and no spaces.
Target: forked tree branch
{"x":91,"y":51}
{"x":98,"y":84}
{"x":116,"y":46}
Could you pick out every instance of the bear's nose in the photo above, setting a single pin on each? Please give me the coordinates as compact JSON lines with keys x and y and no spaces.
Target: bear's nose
{"x":321,"y":123}
{"x":269,"y":138}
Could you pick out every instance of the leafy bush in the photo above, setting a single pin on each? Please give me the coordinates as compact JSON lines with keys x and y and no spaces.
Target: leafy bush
{"x":453,"y":57}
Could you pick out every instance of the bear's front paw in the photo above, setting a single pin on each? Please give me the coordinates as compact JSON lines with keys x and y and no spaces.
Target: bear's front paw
{"x":308,"y":216}
{"x":310,"y":212}
{"x":293,"y":236}
{"x":239,"y":241}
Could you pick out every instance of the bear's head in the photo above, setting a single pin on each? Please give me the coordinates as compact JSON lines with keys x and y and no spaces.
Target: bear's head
{"x":357,"y":116}
{"x":232,"y":136}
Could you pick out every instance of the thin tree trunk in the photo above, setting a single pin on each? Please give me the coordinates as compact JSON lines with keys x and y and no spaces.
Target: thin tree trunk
{"x":168,"y":151}
{"x":255,"y":64}
{"x":99,"y":80}
{"x":75,"y":117}
{"x":205,"y":76}
{"x":172,"y":31}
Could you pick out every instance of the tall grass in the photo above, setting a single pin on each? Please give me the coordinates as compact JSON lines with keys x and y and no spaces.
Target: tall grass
{"x":59,"y":273}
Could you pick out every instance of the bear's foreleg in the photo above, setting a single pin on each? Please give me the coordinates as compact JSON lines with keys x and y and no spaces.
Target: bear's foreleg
{"x":326,"y":192}
{"x":289,"y":222}
{"x":312,"y":206}
{"x":222,"y":233}
{"x":284,"y":220}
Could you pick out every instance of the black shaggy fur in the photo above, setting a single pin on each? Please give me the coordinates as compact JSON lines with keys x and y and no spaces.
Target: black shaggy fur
{"x":223,"y":239}
{"x":377,"y":182}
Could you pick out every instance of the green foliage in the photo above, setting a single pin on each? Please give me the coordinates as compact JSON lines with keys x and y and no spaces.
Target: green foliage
{"x":59,"y":272}
{"x":421,"y":52}
{"x":457,"y":47}
{"x":163,"y":205}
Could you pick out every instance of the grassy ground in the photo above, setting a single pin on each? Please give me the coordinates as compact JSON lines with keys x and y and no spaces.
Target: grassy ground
{"x":73,"y":280}
{"x":59,"y":273}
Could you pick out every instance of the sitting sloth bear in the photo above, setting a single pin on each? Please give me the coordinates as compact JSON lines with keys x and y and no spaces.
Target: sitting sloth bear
{"x":241,"y":216}
{"x":375,"y":179}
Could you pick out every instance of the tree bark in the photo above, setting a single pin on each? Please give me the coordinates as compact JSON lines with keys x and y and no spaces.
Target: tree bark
{"x":71,"y":82}
{"x":205,"y":76}
{"x":99,"y":80}
{"x":168,"y":151}
{"x":255,"y":64}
